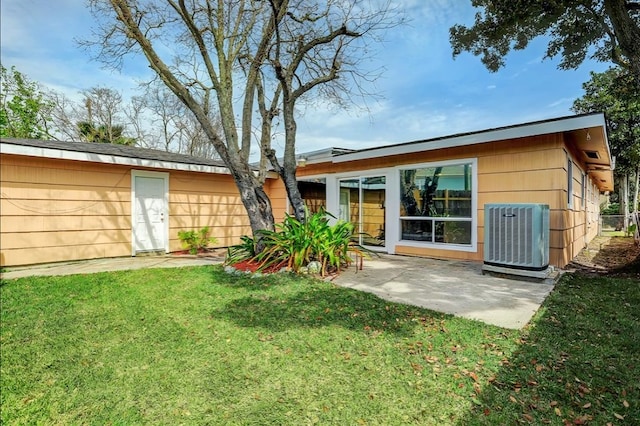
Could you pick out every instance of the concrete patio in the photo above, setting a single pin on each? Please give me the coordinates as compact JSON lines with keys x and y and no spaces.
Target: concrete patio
{"x":452,"y":287}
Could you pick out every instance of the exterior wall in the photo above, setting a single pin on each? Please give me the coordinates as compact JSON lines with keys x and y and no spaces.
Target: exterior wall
{"x":524,"y":170}
{"x":60,"y":210}
{"x":278,"y":196}
{"x":57,"y":210}
{"x":202,"y":199}
{"x":583,"y":210}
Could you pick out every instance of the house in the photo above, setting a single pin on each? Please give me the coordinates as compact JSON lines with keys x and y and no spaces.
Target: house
{"x":64,"y":201}
{"x":68,"y":201}
{"x":427,"y":198}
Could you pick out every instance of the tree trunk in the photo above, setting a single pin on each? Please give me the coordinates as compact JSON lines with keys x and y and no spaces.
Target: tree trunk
{"x":624,"y":200}
{"x":627,"y":33}
{"x":636,"y":190}
{"x":257,"y":204}
{"x":288,"y":172}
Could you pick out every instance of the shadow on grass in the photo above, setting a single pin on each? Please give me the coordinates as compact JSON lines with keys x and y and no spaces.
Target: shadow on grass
{"x":324,"y":305}
{"x":579,"y":363}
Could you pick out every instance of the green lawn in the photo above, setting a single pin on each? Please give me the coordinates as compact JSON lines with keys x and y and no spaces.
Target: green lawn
{"x":198,"y":346}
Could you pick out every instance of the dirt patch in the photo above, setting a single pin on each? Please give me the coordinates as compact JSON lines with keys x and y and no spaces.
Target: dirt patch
{"x":618,"y":256}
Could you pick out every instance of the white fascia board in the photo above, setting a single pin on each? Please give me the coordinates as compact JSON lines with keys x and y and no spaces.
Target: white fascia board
{"x":525,"y":130}
{"x":32,"y":151}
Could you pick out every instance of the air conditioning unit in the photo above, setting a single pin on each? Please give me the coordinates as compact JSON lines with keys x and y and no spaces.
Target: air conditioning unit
{"x":516,"y":239}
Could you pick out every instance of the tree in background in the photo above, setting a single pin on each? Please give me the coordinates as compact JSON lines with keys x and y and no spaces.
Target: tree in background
{"x":234,"y":57}
{"x":617,"y":94}
{"x":103,"y":117}
{"x":25,"y":110}
{"x":606,"y":30}
{"x":154,"y":119}
{"x":170,"y":125}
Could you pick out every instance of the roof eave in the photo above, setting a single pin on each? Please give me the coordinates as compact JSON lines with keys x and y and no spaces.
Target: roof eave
{"x":562,"y":124}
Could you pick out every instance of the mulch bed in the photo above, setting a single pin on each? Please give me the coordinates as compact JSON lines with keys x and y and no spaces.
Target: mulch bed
{"x":252,"y":266}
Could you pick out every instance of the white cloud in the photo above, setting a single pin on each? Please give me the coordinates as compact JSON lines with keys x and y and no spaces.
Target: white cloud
{"x":427,"y":93}
{"x":561,"y":101}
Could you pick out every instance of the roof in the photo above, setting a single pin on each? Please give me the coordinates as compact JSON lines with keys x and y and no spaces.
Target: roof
{"x":587,"y":132}
{"x":534,"y":128}
{"x":110,"y":154}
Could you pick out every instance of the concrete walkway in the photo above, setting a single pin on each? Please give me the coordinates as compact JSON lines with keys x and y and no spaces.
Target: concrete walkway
{"x":104,"y":265}
{"x":452,"y":287}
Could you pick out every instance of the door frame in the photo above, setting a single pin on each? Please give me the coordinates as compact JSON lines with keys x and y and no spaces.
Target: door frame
{"x":158,"y":175}
{"x":387,"y":247}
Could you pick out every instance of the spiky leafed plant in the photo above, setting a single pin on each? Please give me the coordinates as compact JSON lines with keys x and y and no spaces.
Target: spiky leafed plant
{"x":295,"y":244}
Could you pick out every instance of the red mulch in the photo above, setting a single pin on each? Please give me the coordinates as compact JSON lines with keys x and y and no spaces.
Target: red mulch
{"x":252,"y":266}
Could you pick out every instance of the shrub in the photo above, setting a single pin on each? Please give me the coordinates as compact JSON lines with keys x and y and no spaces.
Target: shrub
{"x":295,"y":244}
{"x":613,"y":208}
{"x":196,"y":240}
{"x":243,"y":251}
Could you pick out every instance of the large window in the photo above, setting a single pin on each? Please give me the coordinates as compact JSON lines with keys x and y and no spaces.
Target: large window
{"x":436,"y":204}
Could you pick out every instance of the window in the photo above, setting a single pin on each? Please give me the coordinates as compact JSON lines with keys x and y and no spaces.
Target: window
{"x":584,"y":191}
{"x":314,"y":193}
{"x":569,"y":182}
{"x":436,"y":204}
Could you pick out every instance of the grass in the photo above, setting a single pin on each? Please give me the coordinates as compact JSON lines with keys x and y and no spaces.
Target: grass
{"x":198,"y":346}
{"x":578,"y":363}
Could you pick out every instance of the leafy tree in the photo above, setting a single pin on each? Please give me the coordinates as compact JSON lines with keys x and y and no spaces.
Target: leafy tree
{"x":25,"y":109}
{"x":607,"y":30}
{"x":234,"y":57}
{"x":103,"y":134}
{"x":616,"y":93}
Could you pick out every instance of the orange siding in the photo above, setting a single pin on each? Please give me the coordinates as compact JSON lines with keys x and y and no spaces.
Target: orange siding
{"x":525,"y":170}
{"x":57,"y":210}
{"x":61,"y":210}
{"x":202,"y":199}
{"x":278,"y":196}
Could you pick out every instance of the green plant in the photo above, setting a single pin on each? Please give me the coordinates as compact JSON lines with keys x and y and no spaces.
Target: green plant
{"x":196,"y":240}
{"x":295,"y":244}
{"x":613,"y":208}
{"x":243,"y":251}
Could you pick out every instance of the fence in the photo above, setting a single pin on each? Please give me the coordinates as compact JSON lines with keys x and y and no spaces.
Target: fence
{"x":613,"y":225}
{"x":635,"y":220}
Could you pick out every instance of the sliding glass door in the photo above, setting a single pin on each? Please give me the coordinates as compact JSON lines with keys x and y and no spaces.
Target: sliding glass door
{"x":363,"y":203}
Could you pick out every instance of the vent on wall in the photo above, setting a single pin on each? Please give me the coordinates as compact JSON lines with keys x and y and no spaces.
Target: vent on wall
{"x":516,"y":236}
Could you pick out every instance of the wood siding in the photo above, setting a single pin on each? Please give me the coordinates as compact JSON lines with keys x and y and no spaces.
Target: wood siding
{"x":56,"y":210}
{"x":524,"y":170}
{"x":203,"y":199}
{"x":60,"y":210}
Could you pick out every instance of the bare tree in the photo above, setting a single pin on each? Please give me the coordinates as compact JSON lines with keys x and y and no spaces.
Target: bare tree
{"x":170,"y":125}
{"x":227,"y":52}
{"x":64,"y":117}
{"x":313,"y":51}
{"x":101,"y":116}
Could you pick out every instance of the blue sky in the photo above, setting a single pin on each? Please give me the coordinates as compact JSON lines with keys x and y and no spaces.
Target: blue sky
{"x":426,"y":93}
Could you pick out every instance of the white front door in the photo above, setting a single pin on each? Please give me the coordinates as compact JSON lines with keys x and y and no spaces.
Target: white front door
{"x":150,"y":212}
